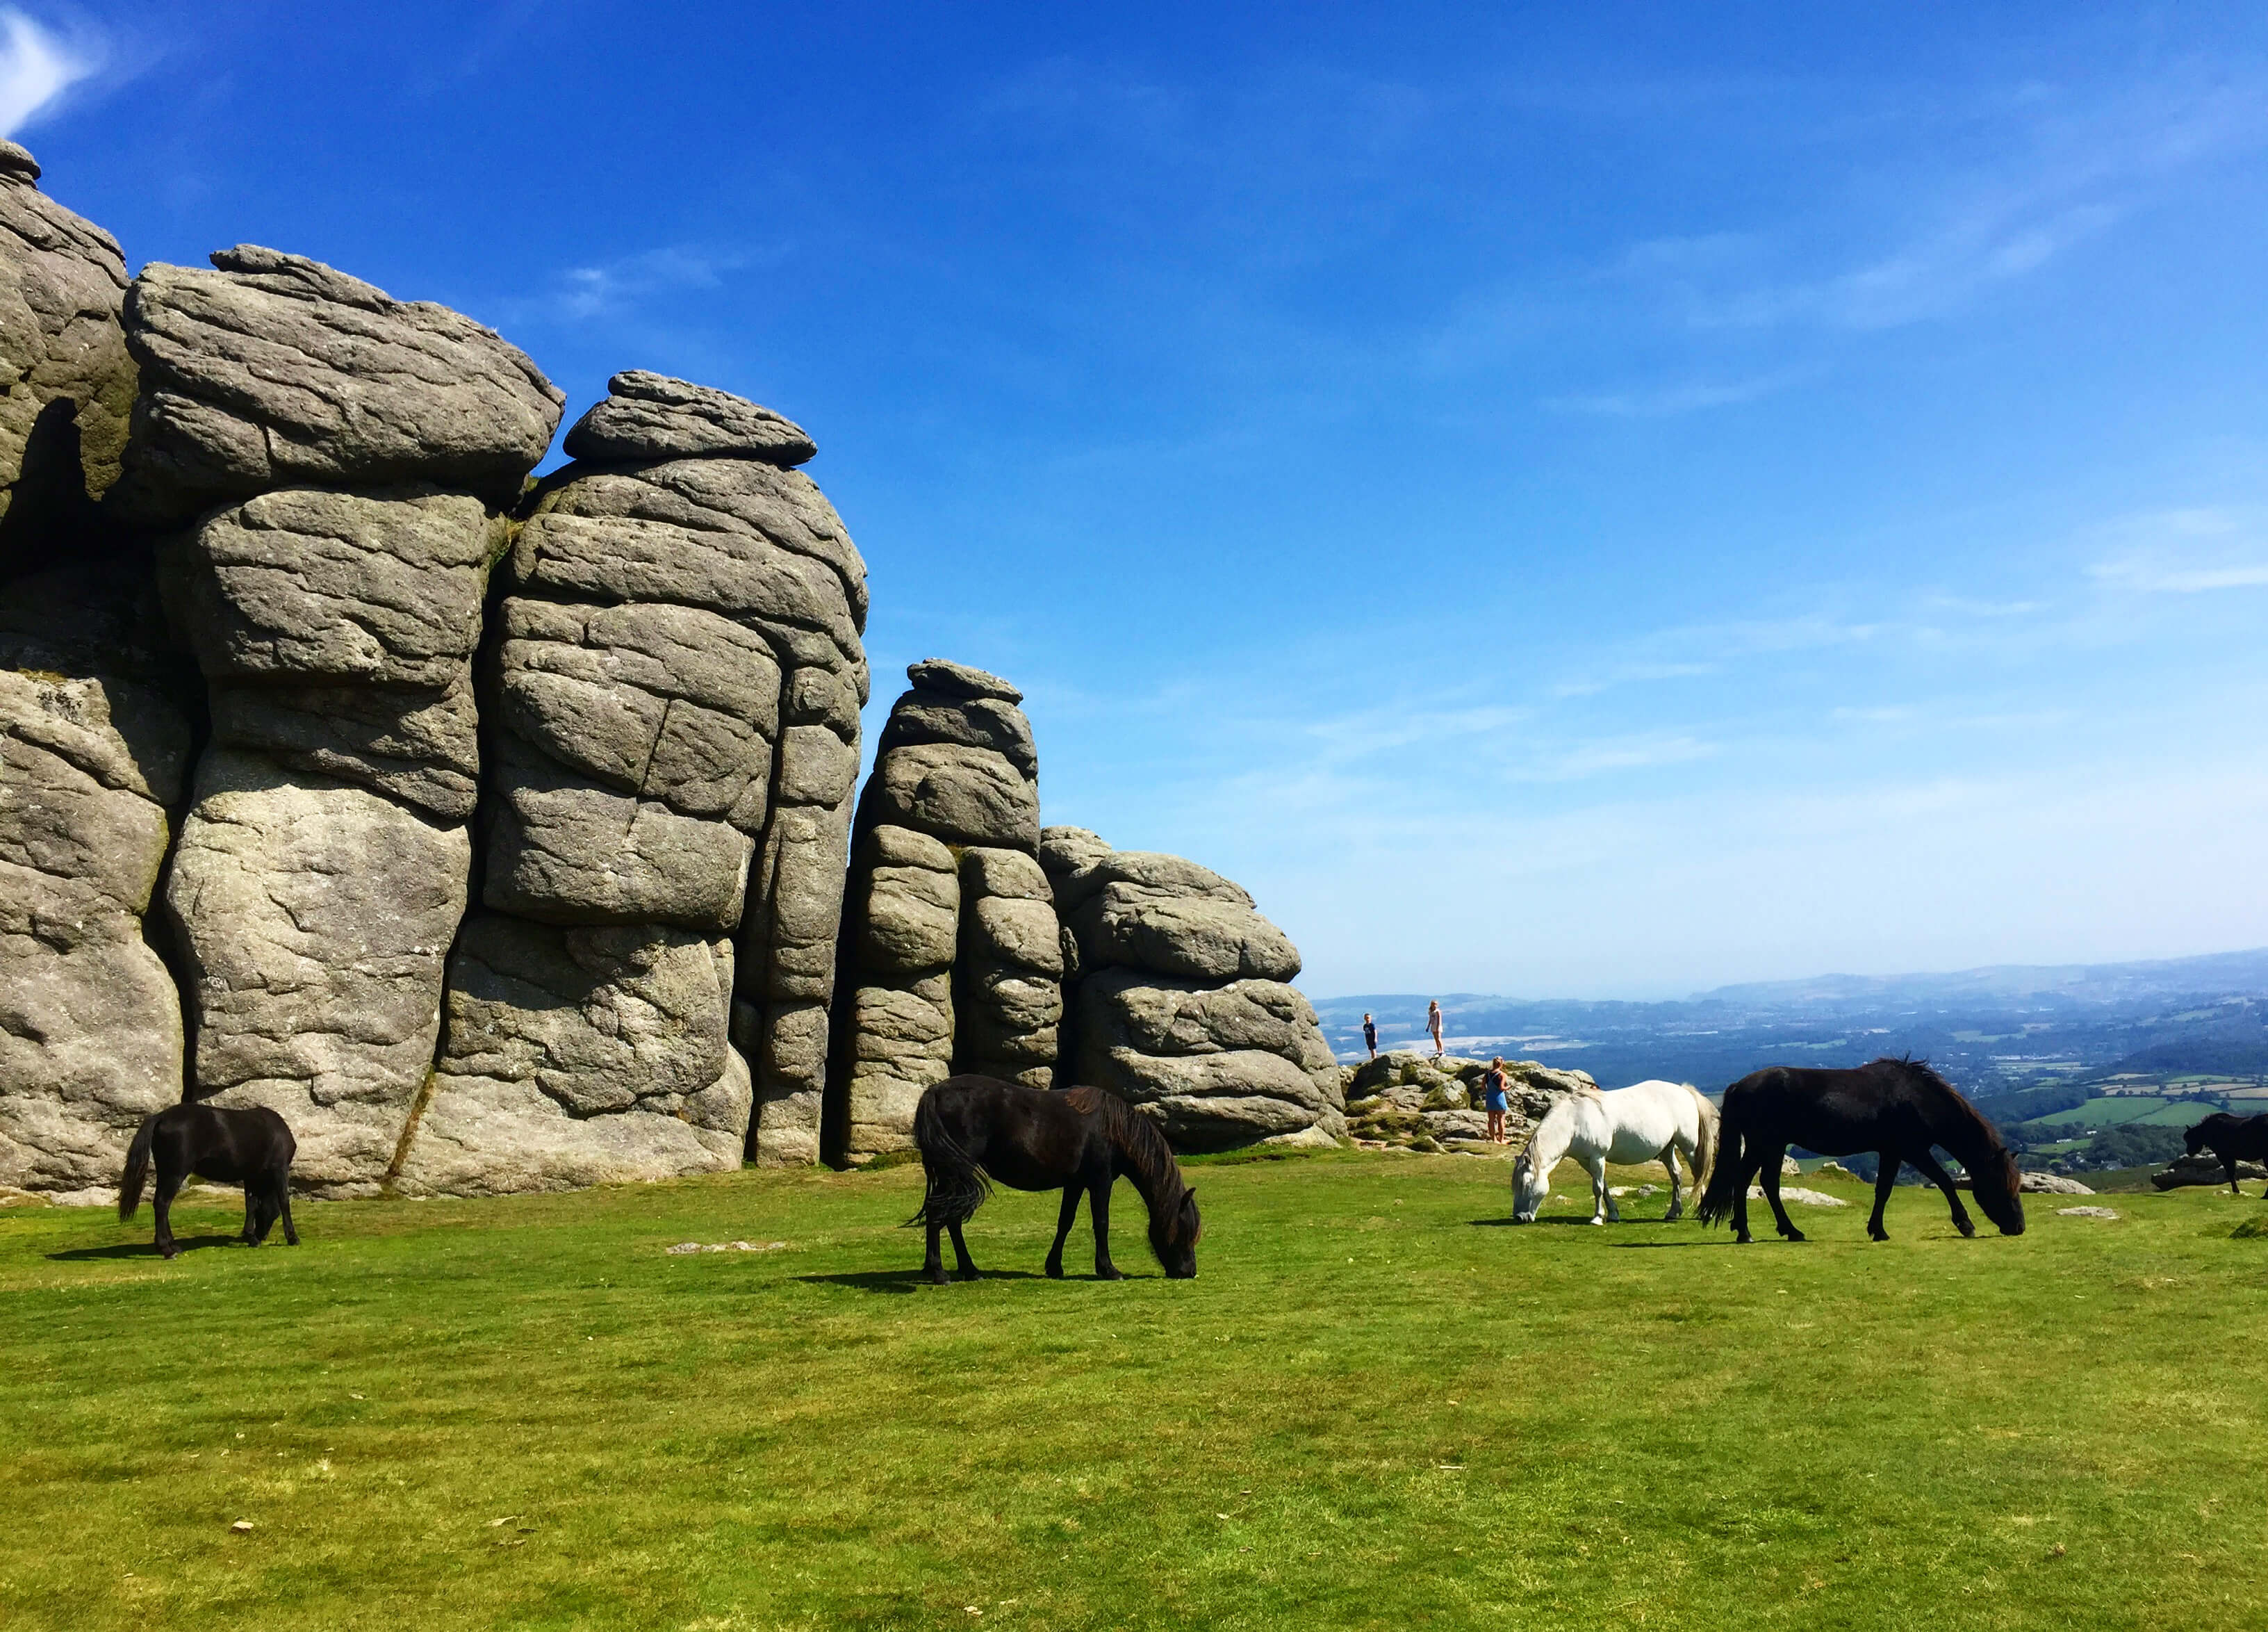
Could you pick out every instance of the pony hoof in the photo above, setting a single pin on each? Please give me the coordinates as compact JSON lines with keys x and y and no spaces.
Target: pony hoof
{"x":1797,"y":1235}
{"x":1055,"y":1272}
{"x":1111,"y":1274}
{"x":1879,"y":1235}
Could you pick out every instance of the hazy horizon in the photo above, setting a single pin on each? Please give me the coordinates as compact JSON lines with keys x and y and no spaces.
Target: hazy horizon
{"x":1624,"y":502}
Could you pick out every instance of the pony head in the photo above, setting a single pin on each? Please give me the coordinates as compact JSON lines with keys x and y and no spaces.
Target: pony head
{"x":1174,"y":1232}
{"x":1998,"y":1187}
{"x":2193,"y":1138}
{"x":1531,"y":1183}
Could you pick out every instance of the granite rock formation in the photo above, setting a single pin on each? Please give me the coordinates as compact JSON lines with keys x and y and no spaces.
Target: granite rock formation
{"x":503,"y":829}
{"x":953,"y":958}
{"x":672,"y":685}
{"x":1181,"y":1001}
{"x":94,"y":745}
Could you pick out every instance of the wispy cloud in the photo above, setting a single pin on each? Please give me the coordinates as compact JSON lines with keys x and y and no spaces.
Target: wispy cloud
{"x":2189,"y":552}
{"x":1659,"y":401}
{"x":37,"y":65}
{"x":583,"y":294}
{"x":2067,"y":170}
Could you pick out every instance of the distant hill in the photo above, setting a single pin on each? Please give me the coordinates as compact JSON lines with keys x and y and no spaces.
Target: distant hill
{"x":2006,"y":1028}
{"x":2215,"y":972}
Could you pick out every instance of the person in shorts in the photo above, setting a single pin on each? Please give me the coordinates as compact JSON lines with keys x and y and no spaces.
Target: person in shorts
{"x":1370,"y":1034}
{"x":1492,"y":1100}
{"x":1433,"y":1023}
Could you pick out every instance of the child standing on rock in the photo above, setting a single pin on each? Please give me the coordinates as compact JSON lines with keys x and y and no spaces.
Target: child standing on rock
{"x":1433,"y":1023}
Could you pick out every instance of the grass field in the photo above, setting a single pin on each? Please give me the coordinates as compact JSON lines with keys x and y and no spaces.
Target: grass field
{"x":1376,"y":1406}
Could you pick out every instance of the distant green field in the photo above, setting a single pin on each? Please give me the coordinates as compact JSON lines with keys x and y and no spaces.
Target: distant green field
{"x":1378,"y":1407}
{"x":2122,"y":1111}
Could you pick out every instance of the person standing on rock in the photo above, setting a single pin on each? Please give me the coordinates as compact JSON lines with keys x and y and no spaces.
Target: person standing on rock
{"x":1433,"y":1023}
{"x":1492,"y":1087}
{"x":1370,"y":1034}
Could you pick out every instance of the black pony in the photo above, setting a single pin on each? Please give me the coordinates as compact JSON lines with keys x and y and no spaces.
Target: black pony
{"x":251,"y":1148}
{"x":2232,"y":1139}
{"x":973,"y":1129}
{"x":1896,"y":1108}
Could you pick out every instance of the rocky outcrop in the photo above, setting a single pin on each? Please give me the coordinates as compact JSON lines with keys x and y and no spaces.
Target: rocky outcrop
{"x":93,"y":745}
{"x":271,"y":370}
{"x":323,"y":867}
{"x":66,"y":382}
{"x":1181,"y":1003}
{"x":2204,"y":1168}
{"x":952,"y":958}
{"x":93,"y":757}
{"x":1427,"y":1102}
{"x":672,"y":683}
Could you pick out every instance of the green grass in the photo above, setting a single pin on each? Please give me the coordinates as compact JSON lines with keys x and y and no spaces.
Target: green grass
{"x":1377,"y":1407}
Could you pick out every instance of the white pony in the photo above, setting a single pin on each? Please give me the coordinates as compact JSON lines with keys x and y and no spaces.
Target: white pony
{"x":1647,"y":1122}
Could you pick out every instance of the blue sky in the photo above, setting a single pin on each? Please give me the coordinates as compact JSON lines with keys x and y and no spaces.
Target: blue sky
{"x":1591,"y":501}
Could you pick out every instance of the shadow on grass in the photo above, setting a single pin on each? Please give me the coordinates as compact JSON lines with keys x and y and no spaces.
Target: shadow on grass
{"x":1579,"y":1218}
{"x":139,"y":1249}
{"x":903,"y":1280}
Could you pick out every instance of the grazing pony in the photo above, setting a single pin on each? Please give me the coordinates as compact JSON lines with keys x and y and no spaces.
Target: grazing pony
{"x":1651,"y":1121}
{"x":1895,"y":1108}
{"x":975,"y":1129}
{"x":251,"y":1148}
{"x":2232,"y":1139}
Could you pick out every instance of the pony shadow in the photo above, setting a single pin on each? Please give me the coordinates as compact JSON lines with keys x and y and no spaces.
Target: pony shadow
{"x":905,"y":1281}
{"x":1568,"y":1218}
{"x":140,"y":1249}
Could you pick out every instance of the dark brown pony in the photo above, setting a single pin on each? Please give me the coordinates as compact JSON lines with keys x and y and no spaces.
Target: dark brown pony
{"x":1896,"y":1108}
{"x":976,"y":1129}
{"x":2231,"y":1138}
{"x":251,"y":1148}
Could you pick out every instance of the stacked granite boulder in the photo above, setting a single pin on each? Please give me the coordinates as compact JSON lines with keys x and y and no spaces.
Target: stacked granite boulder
{"x":953,"y":956}
{"x":1427,"y":1102}
{"x":93,"y":749}
{"x":673,"y":683}
{"x":331,"y":466}
{"x":1181,"y":1003}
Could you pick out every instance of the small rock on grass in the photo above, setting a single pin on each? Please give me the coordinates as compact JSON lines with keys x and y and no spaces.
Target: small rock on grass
{"x":241,"y":1525}
{"x":2086,"y":1212}
{"x":727,"y":1246}
{"x":1798,"y":1194}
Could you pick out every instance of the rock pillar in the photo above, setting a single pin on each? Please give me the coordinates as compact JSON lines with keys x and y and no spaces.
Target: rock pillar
{"x":330,"y":465}
{"x":672,"y":683}
{"x":953,"y":956}
{"x":93,"y":745}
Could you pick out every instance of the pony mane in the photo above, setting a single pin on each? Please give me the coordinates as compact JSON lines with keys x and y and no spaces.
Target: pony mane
{"x":1956,"y":1102}
{"x":1137,"y":1139}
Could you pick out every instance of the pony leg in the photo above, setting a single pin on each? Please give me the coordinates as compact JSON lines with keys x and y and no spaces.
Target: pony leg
{"x":1771,"y":1194}
{"x":1885,"y":1179}
{"x":169,"y":1185}
{"x":1743,"y":1175}
{"x":1677,"y":1202}
{"x":933,"y":1264}
{"x":252,"y":1212}
{"x":1064,"y":1222}
{"x":1098,"y":1209}
{"x":1943,"y":1180}
{"x":283,"y":1206}
{"x":2230,"y":1163}
{"x":1602,"y":1205}
{"x":968,"y":1270}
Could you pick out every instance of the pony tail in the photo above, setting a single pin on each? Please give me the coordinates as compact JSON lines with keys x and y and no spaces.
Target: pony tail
{"x":137,"y":1165}
{"x":957,"y":1186}
{"x":1705,"y":1145}
{"x":1724,"y":1169}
